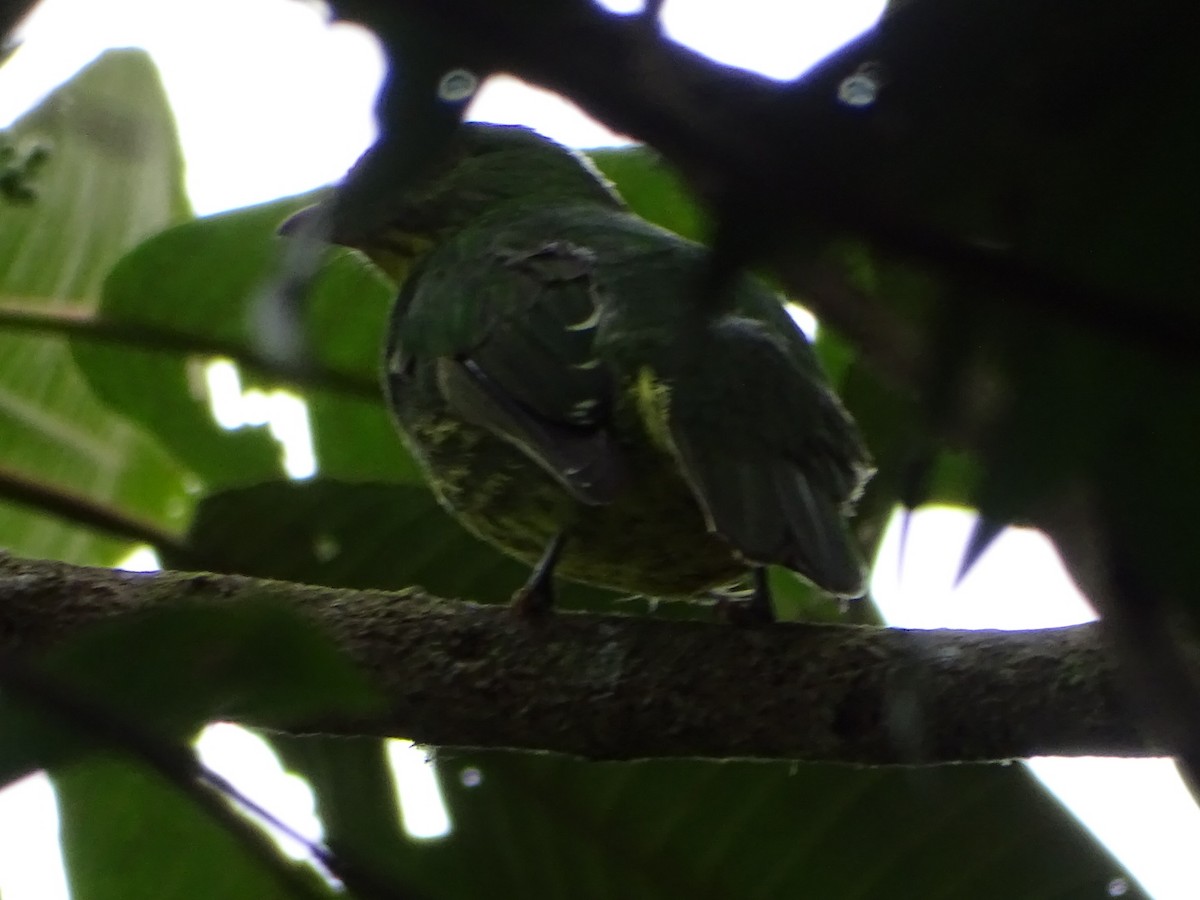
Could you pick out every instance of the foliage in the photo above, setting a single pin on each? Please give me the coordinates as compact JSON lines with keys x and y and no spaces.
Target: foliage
{"x":114,"y":298}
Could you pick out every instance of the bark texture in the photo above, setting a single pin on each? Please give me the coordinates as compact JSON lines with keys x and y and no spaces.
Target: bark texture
{"x":623,"y":687}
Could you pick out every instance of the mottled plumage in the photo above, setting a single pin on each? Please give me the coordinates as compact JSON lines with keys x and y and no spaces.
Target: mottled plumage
{"x":549,"y":365}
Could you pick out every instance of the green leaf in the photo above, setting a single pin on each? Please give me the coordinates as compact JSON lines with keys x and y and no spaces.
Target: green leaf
{"x":386,"y":536}
{"x":356,"y":440}
{"x":210,"y":279}
{"x":113,"y":175}
{"x":652,"y":189}
{"x":356,"y":798}
{"x":171,"y":670}
{"x":549,"y":827}
{"x":126,"y":834}
{"x":795,"y":600}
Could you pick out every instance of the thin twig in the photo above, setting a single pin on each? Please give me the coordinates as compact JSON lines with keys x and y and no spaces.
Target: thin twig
{"x":81,"y":510}
{"x":155,"y":338}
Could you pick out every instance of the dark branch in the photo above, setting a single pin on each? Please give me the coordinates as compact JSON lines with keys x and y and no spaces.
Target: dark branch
{"x":11,"y":13}
{"x":769,"y":156}
{"x":141,"y":336}
{"x":460,"y":674}
{"x":80,"y":510}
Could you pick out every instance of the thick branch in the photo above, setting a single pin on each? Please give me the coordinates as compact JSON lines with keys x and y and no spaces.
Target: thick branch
{"x":769,"y":156}
{"x":614,"y":687}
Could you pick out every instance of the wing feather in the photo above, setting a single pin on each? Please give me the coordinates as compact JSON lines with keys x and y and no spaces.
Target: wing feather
{"x":769,"y":453}
{"x":520,"y":359}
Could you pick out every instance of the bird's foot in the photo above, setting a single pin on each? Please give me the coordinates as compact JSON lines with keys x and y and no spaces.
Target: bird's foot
{"x":533,"y":601}
{"x":757,"y":609}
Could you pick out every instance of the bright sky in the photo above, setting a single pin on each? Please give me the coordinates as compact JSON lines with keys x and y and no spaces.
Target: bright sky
{"x":271,"y":100}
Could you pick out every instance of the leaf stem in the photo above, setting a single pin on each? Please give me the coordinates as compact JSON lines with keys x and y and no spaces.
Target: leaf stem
{"x":87,"y":327}
{"x":81,"y":510}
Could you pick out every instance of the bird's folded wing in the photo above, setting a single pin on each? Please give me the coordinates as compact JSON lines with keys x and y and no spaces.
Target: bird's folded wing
{"x":770,"y":454}
{"x":530,"y":375}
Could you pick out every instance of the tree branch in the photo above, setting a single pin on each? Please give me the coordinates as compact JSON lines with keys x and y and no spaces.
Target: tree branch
{"x":82,"y":510}
{"x":615,"y":687}
{"x":769,"y":156}
{"x":84,"y":326}
{"x":11,"y":14}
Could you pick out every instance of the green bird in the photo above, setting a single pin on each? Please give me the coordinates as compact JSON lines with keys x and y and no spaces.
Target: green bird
{"x":574,"y":403}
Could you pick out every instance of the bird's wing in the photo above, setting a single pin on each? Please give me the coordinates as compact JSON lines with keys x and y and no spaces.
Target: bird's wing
{"x":511,"y":331}
{"x":771,"y":455}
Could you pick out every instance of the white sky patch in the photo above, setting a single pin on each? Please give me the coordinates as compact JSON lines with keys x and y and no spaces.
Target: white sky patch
{"x":622,"y":7}
{"x":509,"y":101}
{"x":422,"y":808}
{"x":1139,"y":808}
{"x":282,"y":412}
{"x":804,"y":320}
{"x":1018,"y":583}
{"x":270,"y":98}
{"x":251,"y":766}
{"x":778,"y":39}
{"x":31,"y":866}
{"x":140,"y":559}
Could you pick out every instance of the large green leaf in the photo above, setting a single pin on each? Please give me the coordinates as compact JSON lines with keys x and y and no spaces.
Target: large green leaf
{"x":127,"y":834}
{"x":113,"y":176}
{"x":546,"y":827}
{"x":172,"y":670}
{"x":386,"y":536}
{"x":356,"y":799}
{"x":651,"y":189}
{"x":212,"y":281}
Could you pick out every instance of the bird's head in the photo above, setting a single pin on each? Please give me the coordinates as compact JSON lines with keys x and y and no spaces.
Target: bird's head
{"x":393,"y":217}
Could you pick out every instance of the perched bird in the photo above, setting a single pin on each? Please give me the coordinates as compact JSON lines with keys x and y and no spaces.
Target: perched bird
{"x":571,"y":400}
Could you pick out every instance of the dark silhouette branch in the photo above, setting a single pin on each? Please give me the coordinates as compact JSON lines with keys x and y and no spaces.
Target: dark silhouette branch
{"x":142,"y":336}
{"x":768,"y":157}
{"x":615,"y":687}
{"x":11,"y":14}
{"x":80,"y":510}
{"x":1144,"y":627}
{"x":889,"y":343}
